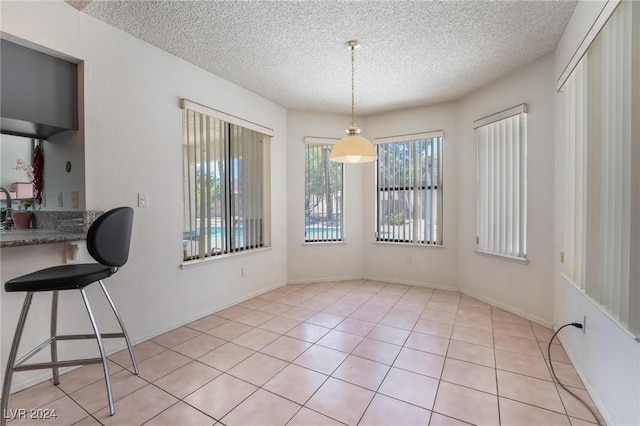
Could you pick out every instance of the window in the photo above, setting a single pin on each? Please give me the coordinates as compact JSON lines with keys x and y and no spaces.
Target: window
{"x":323,"y":192}
{"x":409,"y":189}
{"x":502,"y":183}
{"x":225,"y":183}
{"x":601,"y":244}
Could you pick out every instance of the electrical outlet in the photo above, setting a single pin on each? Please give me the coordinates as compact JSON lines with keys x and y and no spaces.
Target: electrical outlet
{"x":584,"y":325}
{"x":407,"y":260}
{"x":44,"y":200}
{"x":143,"y":199}
{"x":74,"y":199}
{"x":243,"y":271}
{"x":60,"y":199}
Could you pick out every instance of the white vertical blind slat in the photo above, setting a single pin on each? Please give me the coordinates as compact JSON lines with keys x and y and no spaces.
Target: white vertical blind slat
{"x":522,"y":186}
{"x":491,"y":187}
{"x":483,"y":184}
{"x":427,"y":199}
{"x":505,"y":137}
{"x":626,"y":166}
{"x":510,"y":191}
{"x":436,"y":181}
{"x":200,"y":205}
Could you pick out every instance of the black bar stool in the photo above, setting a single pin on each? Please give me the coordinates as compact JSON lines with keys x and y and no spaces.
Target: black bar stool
{"x":108,"y":242}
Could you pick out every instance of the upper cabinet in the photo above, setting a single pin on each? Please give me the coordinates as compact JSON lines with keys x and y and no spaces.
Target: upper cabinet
{"x":39,"y":93}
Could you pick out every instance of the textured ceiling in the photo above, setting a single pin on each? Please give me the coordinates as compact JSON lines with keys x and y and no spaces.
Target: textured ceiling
{"x":413,"y":53}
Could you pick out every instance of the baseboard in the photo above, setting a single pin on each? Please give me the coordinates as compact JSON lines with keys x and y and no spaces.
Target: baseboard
{"x":434,"y":286}
{"x":207,"y":313}
{"x":410,"y":282}
{"x":592,"y":393}
{"x":42,"y":376}
{"x":518,"y":312}
{"x":324,"y":280}
{"x":368,"y":278}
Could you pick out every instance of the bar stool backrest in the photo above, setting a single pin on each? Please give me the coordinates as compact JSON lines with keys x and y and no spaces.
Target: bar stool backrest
{"x":109,"y":237}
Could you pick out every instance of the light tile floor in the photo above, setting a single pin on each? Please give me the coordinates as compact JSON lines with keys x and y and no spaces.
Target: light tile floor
{"x":356,"y":352}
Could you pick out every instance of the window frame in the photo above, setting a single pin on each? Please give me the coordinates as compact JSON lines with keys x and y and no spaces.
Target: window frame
{"x":327,"y":144}
{"x":502,"y":243}
{"x":225,"y":135}
{"x":436,"y":233}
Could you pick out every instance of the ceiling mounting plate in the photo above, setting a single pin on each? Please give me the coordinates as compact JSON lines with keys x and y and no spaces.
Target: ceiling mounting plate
{"x":352,"y":44}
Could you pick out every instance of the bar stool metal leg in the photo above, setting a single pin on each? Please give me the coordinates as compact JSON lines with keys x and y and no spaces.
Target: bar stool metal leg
{"x":6,"y":388}
{"x":122,"y":327}
{"x":103,"y":354}
{"x":54,"y":343}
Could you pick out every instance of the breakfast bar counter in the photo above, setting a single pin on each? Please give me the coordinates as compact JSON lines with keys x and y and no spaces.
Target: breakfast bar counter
{"x":48,"y":227}
{"x":28,"y":237}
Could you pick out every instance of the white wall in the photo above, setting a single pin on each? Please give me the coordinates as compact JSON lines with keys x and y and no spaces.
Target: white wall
{"x":581,"y":21}
{"x":321,"y":261}
{"x":430,"y":265}
{"x":606,"y":356}
{"x":58,"y":150}
{"x":525,"y":289}
{"x":67,"y":146}
{"x":132,"y":144}
{"x":12,"y":149}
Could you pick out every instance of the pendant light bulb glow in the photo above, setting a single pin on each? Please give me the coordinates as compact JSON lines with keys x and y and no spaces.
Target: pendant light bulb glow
{"x":353,"y":148}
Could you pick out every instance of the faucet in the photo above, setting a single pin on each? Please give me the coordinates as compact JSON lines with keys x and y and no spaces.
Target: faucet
{"x":7,"y":222}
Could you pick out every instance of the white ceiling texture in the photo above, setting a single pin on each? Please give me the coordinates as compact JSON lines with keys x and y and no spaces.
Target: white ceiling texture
{"x":412,"y":53}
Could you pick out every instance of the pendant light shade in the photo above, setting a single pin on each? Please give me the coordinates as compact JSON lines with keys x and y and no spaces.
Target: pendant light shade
{"x":353,"y":148}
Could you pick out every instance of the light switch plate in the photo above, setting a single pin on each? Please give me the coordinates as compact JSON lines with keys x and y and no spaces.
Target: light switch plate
{"x":143,"y":199}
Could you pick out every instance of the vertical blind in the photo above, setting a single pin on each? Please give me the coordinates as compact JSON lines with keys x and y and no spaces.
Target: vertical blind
{"x":224,"y":186}
{"x":409,"y":189}
{"x":601,"y":229}
{"x":324,"y":192}
{"x":502,"y":183}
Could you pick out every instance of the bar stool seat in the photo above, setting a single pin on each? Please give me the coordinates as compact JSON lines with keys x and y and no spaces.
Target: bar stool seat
{"x":108,"y":241}
{"x":65,"y":277}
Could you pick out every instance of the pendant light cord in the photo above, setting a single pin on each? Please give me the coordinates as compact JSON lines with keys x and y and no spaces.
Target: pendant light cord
{"x":353,"y":84}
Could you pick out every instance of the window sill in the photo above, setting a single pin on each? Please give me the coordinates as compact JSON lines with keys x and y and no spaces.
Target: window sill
{"x":321,"y":243}
{"x":393,"y":243}
{"x":633,"y":334}
{"x":503,"y":257}
{"x":199,"y":262}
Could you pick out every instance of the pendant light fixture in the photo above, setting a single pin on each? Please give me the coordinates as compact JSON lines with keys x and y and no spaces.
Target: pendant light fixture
{"x":353,"y":148}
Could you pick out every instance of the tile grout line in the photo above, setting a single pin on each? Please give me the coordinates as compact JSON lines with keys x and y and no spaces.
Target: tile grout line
{"x":495,"y":363}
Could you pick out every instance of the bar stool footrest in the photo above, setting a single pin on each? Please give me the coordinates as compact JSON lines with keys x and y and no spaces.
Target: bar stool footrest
{"x":68,"y":363}
{"x":50,"y":340}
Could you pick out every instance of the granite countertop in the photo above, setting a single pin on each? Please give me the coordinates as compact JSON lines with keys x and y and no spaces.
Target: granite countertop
{"x":50,"y":227}
{"x":27,"y":237}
